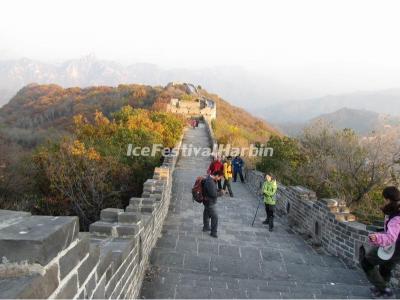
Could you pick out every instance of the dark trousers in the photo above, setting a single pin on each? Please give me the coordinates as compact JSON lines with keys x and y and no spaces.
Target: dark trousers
{"x":269,"y":209}
{"x":210,"y":212}
{"x":227,"y":184}
{"x":235,"y":173}
{"x":378,"y":271}
{"x":219,"y":182}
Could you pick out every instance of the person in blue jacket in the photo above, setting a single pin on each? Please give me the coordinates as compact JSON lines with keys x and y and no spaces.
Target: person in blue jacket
{"x":237,"y":168}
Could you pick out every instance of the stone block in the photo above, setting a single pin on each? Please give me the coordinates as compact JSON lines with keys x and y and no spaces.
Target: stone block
{"x":119,"y":249}
{"x":101,"y":228}
{"x":161,"y":184}
{"x":99,"y":292}
{"x":147,"y":209}
{"x":148,"y":202}
{"x":146,"y":194}
{"x":351,"y":218}
{"x":129,"y":218}
{"x":132,"y":209}
{"x":37,"y":239}
{"x":112,"y":285}
{"x":68,"y":289}
{"x":330,"y":202}
{"x":157,"y":197}
{"x":163,"y":171}
{"x":32,"y":287}
{"x":345,"y":210}
{"x":10,"y":217}
{"x":72,"y":258}
{"x":89,"y":264}
{"x":110,"y":214}
{"x":334,"y":209}
{"x":135,"y":201}
{"x":90,"y":286}
{"x":344,"y":217}
{"x":105,"y":261}
{"x":127,"y":230}
{"x":149,"y":185}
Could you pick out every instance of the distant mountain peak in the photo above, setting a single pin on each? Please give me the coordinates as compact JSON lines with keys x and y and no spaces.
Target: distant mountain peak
{"x":362,"y":121}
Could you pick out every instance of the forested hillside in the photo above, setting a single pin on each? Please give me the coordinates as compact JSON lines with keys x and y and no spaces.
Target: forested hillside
{"x":236,"y":126}
{"x":64,"y":149}
{"x":38,"y":112}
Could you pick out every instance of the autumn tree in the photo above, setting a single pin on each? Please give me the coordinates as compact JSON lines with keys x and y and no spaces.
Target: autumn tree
{"x":91,"y":171}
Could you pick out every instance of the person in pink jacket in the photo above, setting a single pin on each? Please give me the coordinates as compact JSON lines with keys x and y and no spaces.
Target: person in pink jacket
{"x":378,"y":264}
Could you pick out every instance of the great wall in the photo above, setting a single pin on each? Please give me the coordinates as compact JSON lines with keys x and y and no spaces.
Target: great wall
{"x":155,"y":247}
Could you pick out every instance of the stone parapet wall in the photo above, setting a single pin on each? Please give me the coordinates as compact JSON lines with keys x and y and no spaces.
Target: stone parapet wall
{"x":328,"y":223}
{"x":213,"y":139}
{"x":47,"y":257}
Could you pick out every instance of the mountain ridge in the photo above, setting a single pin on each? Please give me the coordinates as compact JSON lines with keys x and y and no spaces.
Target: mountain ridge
{"x":381,"y":101}
{"x":235,"y":83}
{"x":362,"y":121}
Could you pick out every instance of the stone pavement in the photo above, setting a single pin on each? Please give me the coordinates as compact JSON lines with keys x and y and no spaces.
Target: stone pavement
{"x":245,"y":261}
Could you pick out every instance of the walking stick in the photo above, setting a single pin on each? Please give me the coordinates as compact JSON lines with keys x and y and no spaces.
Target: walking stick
{"x":255,"y":215}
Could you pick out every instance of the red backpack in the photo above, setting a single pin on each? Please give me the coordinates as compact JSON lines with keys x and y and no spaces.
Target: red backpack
{"x":197,"y":190}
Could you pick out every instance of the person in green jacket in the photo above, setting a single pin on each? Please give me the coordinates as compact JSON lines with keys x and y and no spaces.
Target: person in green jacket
{"x":269,"y":190}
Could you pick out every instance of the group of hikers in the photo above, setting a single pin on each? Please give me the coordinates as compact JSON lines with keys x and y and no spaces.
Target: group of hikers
{"x":384,"y":247}
{"x":228,"y":169}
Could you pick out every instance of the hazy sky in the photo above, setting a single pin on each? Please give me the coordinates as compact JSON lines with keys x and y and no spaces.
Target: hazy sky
{"x":332,"y":46}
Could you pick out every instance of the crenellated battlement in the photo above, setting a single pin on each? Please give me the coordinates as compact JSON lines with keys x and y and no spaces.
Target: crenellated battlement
{"x":47,"y":257}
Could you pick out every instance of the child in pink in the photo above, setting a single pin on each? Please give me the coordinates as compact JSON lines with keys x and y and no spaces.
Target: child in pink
{"x":378,"y":271}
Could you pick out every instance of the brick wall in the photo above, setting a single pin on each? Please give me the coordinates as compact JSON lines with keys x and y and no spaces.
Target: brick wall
{"x":325,"y":222}
{"x":47,"y":257}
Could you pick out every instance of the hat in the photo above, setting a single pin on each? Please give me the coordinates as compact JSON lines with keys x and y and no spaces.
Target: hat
{"x":386,"y":253}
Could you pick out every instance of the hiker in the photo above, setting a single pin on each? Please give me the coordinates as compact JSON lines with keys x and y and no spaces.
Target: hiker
{"x":378,"y":262}
{"x":228,"y":175}
{"x":237,"y":168}
{"x":269,"y":190}
{"x":210,"y":210}
{"x":216,"y":166}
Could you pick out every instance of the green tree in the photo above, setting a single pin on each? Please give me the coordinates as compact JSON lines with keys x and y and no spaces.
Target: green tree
{"x":286,"y":159}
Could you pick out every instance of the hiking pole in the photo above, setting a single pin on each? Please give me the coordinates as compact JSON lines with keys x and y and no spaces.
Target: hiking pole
{"x":255,"y":215}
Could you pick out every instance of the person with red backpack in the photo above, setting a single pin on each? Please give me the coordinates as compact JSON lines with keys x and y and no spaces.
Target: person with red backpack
{"x":210,"y":200}
{"x":216,"y":166}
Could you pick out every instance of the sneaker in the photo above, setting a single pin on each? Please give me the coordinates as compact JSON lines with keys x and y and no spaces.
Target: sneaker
{"x":214,"y":234}
{"x":385,"y":294}
{"x":375,"y":292}
{"x":266,"y":222}
{"x":388,"y":294}
{"x":271,"y":229}
{"x":205,"y":229}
